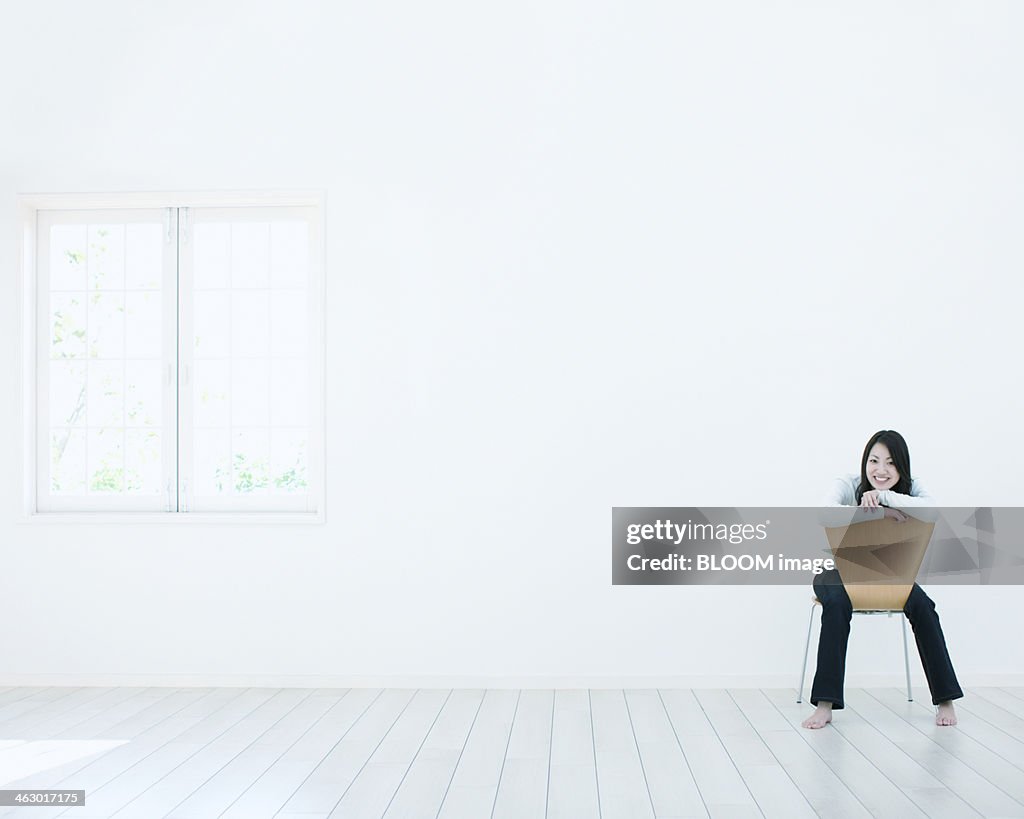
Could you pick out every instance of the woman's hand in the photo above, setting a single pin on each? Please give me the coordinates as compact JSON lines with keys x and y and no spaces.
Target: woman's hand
{"x":869,"y":500}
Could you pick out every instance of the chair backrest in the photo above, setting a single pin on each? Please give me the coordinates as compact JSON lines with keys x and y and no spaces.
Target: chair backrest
{"x":878,"y":560}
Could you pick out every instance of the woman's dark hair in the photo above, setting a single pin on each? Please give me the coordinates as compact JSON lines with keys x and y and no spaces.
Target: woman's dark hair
{"x":900,"y":455}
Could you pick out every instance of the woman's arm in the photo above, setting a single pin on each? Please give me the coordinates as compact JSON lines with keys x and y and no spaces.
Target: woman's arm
{"x":918,"y":502}
{"x":839,"y":507}
{"x":917,"y":497}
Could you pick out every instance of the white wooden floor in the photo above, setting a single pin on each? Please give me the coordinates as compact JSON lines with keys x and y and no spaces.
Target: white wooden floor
{"x":290,"y":753}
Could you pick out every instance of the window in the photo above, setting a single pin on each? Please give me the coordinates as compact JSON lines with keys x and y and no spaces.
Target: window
{"x":177,"y":358}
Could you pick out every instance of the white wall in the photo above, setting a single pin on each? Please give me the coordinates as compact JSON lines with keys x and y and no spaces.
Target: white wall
{"x":579,"y":255}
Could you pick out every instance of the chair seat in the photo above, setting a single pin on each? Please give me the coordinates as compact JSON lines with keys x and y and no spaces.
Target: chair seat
{"x":816,"y":602}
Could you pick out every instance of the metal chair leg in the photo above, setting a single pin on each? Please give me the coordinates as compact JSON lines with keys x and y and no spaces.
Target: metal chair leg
{"x":906,"y":659}
{"x":807,"y":648}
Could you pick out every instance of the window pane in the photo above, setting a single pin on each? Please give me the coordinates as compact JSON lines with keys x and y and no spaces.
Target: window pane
{"x":106,"y":460}
{"x":250,"y":461}
{"x":289,"y":323}
{"x":143,"y":324}
{"x":211,"y":251}
{"x":67,"y":257}
{"x":212,"y":464}
{"x":67,"y":394}
{"x":67,"y":461}
{"x":289,"y":254}
{"x":106,"y":257}
{"x":106,"y":394}
{"x":288,"y":461}
{"x":250,"y":254}
{"x":211,"y":320}
{"x":250,"y":323}
{"x":143,"y":403}
{"x":289,"y":393}
{"x":250,"y":393}
{"x":210,"y":391}
{"x":250,"y":355}
{"x":106,"y":325}
{"x":104,"y":411}
{"x":143,"y":255}
{"x":143,"y":473}
{"x":67,"y":325}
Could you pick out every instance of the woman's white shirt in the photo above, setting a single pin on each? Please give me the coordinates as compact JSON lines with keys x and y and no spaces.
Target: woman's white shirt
{"x":843,"y":493}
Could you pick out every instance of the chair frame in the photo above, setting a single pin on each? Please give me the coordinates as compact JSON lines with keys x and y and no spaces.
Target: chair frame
{"x":807,"y":646}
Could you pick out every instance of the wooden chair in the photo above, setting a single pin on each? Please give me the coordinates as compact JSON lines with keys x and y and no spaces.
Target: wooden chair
{"x":877,"y":561}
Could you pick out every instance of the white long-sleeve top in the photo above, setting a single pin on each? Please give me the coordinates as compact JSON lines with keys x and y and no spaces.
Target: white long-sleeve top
{"x":843,"y":492}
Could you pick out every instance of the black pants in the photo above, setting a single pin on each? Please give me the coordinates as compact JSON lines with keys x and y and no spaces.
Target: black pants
{"x":836,"y":613}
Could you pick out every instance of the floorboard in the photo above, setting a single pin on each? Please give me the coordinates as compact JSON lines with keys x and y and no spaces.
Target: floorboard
{"x":262,"y":753}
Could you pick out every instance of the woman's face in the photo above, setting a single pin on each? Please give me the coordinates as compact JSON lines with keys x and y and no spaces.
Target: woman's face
{"x":881,"y":472}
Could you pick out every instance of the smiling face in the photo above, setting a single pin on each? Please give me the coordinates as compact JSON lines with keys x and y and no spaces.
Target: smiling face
{"x":880,"y":470}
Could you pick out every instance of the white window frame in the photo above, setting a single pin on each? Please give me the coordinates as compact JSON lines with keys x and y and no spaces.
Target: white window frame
{"x":32,"y":209}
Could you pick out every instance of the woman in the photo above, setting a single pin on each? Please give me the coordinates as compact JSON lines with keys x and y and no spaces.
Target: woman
{"x":885,"y":486}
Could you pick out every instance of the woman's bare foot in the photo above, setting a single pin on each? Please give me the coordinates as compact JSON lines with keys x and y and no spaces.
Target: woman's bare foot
{"x":822,"y":716}
{"x":944,"y":713}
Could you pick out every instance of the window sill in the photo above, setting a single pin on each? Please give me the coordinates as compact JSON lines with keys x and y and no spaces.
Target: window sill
{"x":174,"y":518}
